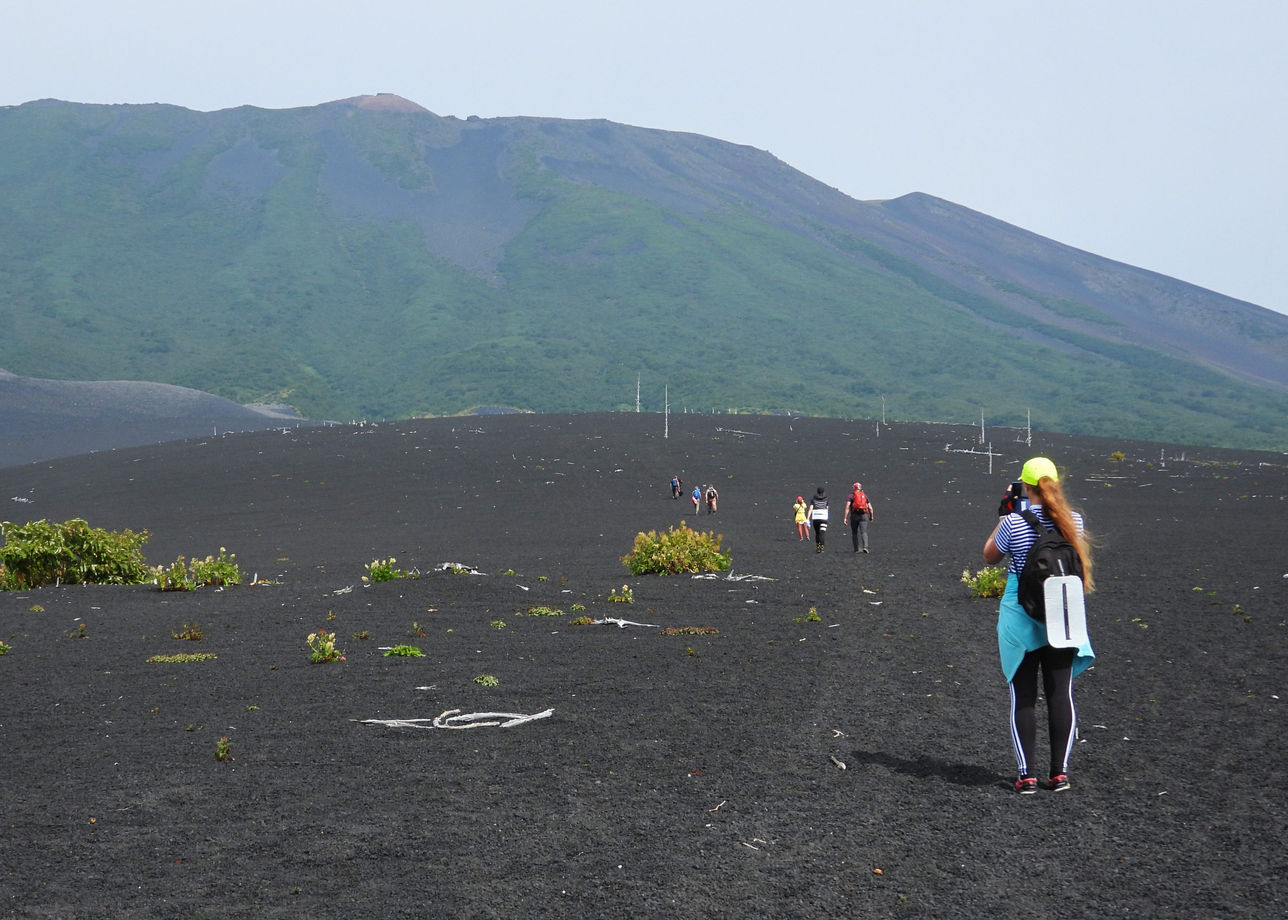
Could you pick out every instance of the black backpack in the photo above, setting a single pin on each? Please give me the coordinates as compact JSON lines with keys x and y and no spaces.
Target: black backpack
{"x":1051,"y":556}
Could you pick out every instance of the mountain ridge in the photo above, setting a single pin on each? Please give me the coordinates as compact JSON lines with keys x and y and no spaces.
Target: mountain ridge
{"x":367,"y":257}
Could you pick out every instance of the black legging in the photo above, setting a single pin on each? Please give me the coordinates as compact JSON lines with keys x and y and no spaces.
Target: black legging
{"x":1057,"y":686}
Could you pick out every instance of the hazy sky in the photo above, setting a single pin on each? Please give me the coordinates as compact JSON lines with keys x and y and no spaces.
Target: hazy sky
{"x":1154,"y":132}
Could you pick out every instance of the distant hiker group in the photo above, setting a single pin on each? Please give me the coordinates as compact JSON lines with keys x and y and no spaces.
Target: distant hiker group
{"x":701,"y":495}
{"x":815,"y":513}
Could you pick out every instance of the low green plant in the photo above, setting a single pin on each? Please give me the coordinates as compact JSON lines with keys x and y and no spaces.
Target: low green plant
{"x":688,"y":631}
{"x":487,"y":680}
{"x":626,"y":597}
{"x":182,"y":658}
{"x":677,"y":550}
{"x":188,"y":575}
{"x":577,"y":608}
{"x":189,"y":631}
{"x":35,"y":608}
{"x":322,"y":646}
{"x":42,"y":553}
{"x":362,"y":635}
{"x":216,"y":571}
{"x":4,"y":649}
{"x":541,"y":610}
{"x":384,"y":570}
{"x":404,"y":651}
{"x":1118,"y":456}
{"x":79,"y":632}
{"x":224,"y":750}
{"x":173,"y":577}
{"x":418,"y":631}
{"x":582,"y":621}
{"x":989,"y":581}
{"x":497,"y":624}
{"x":810,"y":617}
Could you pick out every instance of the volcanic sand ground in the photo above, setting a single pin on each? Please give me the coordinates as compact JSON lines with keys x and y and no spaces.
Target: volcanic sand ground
{"x":679,"y":776}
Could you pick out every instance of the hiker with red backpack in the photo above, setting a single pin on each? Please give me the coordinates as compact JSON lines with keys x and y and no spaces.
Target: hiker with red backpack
{"x":858,"y":512}
{"x":1047,"y":525}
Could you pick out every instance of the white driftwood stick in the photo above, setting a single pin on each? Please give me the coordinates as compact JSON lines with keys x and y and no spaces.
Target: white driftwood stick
{"x":452,"y":718}
{"x":622,"y":624}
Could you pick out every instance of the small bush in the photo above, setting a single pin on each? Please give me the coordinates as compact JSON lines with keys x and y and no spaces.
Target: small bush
{"x":404,"y":651}
{"x":582,"y":621}
{"x":322,"y":645}
{"x":224,"y":750}
{"x":626,"y":597}
{"x":184,"y":575}
{"x":40,"y":553}
{"x":677,"y":550}
{"x":182,"y":658}
{"x":190,"y":631}
{"x":487,"y":680}
{"x":384,"y":570}
{"x":173,"y":577}
{"x":543,"y":611}
{"x":987,"y":582}
{"x":216,"y":571}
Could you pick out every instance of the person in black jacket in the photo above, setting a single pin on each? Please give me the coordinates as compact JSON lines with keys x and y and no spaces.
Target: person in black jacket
{"x":818,"y":517}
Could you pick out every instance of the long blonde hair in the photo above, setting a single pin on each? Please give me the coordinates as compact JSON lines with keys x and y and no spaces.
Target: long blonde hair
{"x":1050,"y":495}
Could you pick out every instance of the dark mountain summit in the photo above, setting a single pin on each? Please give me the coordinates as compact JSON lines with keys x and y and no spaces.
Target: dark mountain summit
{"x":367,"y":257}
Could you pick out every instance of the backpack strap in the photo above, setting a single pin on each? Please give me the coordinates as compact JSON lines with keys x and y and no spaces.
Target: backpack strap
{"x":1034,"y":522}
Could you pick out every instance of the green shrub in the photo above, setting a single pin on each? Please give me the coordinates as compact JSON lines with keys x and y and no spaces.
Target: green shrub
{"x":987,"y":582}
{"x":677,"y":550}
{"x":173,"y":577}
{"x":322,"y":646}
{"x":384,"y":570}
{"x":404,"y":651}
{"x":216,"y":571}
{"x":40,"y":553}
{"x":182,"y":658}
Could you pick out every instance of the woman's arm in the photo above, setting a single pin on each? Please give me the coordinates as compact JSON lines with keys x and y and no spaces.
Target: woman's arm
{"x":993,"y":555}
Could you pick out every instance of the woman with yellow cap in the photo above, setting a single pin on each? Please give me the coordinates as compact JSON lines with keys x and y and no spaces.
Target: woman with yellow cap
{"x":1022,"y":640}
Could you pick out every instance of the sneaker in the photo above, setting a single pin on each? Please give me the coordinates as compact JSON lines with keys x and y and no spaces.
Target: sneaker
{"x":1059,"y":783}
{"x":1026,"y":785}
{"x":865,"y":549}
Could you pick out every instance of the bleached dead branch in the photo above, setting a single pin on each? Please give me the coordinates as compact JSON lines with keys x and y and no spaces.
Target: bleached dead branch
{"x":622,"y":624}
{"x":454,"y":718}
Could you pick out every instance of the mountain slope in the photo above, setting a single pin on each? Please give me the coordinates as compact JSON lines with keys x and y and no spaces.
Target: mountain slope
{"x":46,"y":419}
{"x":368,"y":257}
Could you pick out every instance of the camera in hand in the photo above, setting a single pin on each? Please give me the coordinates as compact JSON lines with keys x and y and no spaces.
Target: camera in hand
{"x":1014,"y":500}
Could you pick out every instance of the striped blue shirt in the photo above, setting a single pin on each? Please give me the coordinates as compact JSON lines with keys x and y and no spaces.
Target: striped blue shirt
{"x":1016,"y":537}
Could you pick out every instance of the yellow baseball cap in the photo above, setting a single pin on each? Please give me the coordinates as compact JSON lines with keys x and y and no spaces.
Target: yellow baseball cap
{"x":1037,"y":469}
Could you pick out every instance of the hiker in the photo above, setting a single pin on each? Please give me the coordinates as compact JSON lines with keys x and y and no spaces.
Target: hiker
{"x":802,"y":522}
{"x":712,"y":496}
{"x":1022,"y":640}
{"x":858,"y":512}
{"x":818,"y":517}
{"x":676,"y":482}
{"x":696,"y":497}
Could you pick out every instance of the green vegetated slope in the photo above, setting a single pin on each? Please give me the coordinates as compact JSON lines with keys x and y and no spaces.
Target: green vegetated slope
{"x":385,"y":264}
